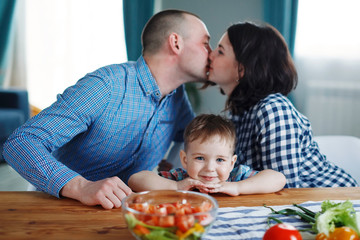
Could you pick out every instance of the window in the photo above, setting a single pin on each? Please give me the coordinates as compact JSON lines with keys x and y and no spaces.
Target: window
{"x":327,"y":55}
{"x":328,"y":29}
{"x":65,"y":39}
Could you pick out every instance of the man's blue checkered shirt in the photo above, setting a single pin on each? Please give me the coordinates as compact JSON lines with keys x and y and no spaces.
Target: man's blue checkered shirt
{"x":274,"y":135}
{"x":113,"y":122}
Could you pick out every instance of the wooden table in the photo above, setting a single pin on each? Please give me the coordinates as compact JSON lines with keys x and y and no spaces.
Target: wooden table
{"x":36,"y":215}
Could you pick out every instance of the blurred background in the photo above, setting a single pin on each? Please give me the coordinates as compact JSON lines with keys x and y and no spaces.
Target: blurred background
{"x":47,"y":45}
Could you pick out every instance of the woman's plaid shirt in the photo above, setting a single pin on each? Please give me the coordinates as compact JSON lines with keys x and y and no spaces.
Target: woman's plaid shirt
{"x":274,"y":135}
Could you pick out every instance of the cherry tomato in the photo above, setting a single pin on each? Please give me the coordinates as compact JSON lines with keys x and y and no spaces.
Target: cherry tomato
{"x":166,"y":221}
{"x":184,"y":222}
{"x":341,"y":233}
{"x":141,"y":207}
{"x":160,"y":211}
{"x":282,"y":231}
{"x":170,"y":208}
{"x":204,"y":207}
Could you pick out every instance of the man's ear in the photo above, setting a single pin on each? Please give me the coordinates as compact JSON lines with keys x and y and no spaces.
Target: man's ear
{"x":175,"y":42}
{"x":183,"y":159}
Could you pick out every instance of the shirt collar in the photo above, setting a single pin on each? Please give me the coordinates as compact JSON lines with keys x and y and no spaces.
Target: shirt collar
{"x":147,"y":80}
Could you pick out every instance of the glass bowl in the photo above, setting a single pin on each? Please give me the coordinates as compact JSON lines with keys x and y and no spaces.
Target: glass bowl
{"x":169,"y":214}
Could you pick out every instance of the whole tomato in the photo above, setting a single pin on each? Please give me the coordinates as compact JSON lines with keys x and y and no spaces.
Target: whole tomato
{"x":282,"y":231}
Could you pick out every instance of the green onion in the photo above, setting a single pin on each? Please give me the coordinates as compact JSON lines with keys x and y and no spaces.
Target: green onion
{"x":292,"y":212}
{"x":307,"y":211}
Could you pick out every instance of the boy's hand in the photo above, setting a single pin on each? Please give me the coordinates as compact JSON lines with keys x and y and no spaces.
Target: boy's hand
{"x":229,"y":188}
{"x":189,"y":183}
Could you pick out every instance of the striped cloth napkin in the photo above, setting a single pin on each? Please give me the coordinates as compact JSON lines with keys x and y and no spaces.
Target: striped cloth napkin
{"x":233,"y":223}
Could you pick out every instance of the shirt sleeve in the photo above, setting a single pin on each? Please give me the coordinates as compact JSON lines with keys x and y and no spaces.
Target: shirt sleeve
{"x":279,"y":140}
{"x":241,"y":172}
{"x":176,"y":174}
{"x":285,"y":144}
{"x":28,"y":150}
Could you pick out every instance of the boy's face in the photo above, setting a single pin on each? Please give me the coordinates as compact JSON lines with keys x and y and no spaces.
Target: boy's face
{"x":210,"y":161}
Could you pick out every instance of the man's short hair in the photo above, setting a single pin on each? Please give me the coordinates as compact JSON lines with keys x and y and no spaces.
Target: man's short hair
{"x":160,"y":26}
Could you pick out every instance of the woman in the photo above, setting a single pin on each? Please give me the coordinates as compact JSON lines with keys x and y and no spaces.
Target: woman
{"x":253,"y":67}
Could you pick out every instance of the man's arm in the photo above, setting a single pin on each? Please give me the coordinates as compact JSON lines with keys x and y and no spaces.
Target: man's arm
{"x":107,"y":192}
{"x":29,"y":149}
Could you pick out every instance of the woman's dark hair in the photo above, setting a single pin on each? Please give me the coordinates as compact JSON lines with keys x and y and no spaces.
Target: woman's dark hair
{"x":267,"y":63}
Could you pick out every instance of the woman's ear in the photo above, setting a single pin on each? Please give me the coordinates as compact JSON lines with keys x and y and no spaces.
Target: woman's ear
{"x":175,"y":42}
{"x":183,"y":159}
{"x":241,"y":71}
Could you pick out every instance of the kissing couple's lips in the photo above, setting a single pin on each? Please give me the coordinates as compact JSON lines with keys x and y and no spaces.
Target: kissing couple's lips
{"x":208,"y":68}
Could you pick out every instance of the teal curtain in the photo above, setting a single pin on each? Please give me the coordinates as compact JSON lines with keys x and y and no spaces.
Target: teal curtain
{"x":7,"y":9}
{"x":282,"y":14}
{"x":136,"y":14}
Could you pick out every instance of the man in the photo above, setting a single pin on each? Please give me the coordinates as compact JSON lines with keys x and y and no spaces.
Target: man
{"x":117,"y":120}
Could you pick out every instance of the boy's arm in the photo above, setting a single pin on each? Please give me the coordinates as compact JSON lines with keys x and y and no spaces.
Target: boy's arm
{"x":266,"y":181}
{"x":149,"y":180}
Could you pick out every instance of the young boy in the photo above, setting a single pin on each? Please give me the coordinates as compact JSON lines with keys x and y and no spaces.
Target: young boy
{"x":208,"y":162}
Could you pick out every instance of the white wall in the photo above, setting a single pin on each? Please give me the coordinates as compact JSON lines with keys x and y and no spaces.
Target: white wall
{"x":328,"y":93}
{"x":217,"y":15}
